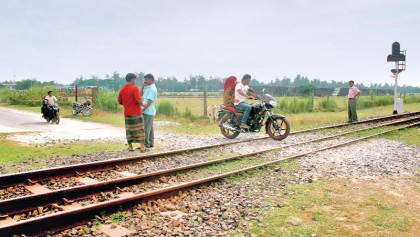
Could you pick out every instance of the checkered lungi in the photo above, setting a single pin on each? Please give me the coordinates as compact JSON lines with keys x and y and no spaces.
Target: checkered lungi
{"x":134,"y":128}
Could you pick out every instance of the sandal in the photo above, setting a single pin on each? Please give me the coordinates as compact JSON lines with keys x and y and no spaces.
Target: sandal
{"x":129,"y":149}
{"x":141,"y":149}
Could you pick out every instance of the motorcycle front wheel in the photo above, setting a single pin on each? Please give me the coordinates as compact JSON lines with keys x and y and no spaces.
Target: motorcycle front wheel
{"x":87,"y":111}
{"x":226,"y":132}
{"x":278,"y":128}
{"x":74,"y":111}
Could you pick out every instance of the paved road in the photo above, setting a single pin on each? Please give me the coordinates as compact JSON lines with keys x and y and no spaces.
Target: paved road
{"x":40,"y":131}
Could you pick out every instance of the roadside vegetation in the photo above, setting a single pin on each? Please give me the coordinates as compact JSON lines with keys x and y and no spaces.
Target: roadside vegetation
{"x":342,"y":207}
{"x":12,"y":151}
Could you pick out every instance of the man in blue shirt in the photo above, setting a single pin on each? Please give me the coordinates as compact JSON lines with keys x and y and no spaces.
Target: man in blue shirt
{"x":149,"y":94}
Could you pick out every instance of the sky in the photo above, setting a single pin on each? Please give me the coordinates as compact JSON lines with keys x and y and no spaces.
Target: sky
{"x":329,"y":40}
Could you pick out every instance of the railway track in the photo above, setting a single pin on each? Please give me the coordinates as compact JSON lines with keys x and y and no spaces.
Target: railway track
{"x":35,"y":176}
{"x":65,"y":200}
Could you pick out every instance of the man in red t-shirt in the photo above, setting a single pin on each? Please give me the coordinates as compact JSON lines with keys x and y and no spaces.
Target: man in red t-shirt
{"x":130,"y":98}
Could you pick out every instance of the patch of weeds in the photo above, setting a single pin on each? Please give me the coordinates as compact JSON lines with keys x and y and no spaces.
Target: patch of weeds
{"x":339,"y":207}
{"x":118,"y":217}
{"x":369,"y":132}
{"x":99,"y":221}
{"x":289,"y":165}
{"x":182,"y":175}
{"x":387,"y":216}
{"x":408,"y":136}
{"x":87,"y":230}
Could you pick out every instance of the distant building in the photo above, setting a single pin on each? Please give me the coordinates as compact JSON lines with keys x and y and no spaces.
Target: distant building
{"x":9,"y":85}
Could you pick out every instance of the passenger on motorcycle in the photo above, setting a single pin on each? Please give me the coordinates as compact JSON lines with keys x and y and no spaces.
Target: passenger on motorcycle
{"x":48,"y":100}
{"x":229,"y":91}
{"x":241,"y":90}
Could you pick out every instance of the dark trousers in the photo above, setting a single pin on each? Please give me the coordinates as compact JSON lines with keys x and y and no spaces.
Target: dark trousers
{"x":352,"y":110}
{"x":149,"y":136}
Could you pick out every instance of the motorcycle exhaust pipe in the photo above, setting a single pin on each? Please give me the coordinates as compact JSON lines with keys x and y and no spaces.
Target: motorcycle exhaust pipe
{"x":228,"y":127}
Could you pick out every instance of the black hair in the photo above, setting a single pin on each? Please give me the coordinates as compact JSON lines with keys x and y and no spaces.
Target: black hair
{"x":149,"y":76}
{"x":246,"y":77}
{"x":130,"y":76}
{"x":49,"y":92}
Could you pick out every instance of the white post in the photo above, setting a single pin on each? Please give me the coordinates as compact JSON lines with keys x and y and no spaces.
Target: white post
{"x":395,"y":88}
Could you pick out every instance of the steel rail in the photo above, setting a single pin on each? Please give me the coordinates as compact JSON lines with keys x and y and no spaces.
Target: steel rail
{"x":29,"y":202}
{"x":70,"y":170}
{"x":65,"y":218}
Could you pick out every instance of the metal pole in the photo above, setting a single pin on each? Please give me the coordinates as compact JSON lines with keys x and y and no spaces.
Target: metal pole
{"x":205,"y":98}
{"x":395,"y":88}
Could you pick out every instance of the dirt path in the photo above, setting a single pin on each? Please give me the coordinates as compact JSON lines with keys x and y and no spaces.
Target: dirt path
{"x":37,"y":130}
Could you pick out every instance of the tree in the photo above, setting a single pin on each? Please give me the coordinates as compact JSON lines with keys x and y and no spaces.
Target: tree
{"x":26,"y":84}
{"x":307,"y":89}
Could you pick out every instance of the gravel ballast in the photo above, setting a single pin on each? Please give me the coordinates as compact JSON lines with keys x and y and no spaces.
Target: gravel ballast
{"x":227,"y":207}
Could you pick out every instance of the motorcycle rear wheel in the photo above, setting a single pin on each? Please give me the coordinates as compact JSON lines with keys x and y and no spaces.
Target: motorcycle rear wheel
{"x":278,"y":128}
{"x":226,"y":132}
{"x":87,"y":111}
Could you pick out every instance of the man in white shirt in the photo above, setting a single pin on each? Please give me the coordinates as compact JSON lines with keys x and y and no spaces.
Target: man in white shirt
{"x":48,"y":100}
{"x":241,"y":90}
{"x":51,"y":100}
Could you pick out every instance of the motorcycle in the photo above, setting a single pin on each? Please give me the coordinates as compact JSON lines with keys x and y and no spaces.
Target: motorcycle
{"x":84,"y":107}
{"x":276,"y":125}
{"x":52,"y":113}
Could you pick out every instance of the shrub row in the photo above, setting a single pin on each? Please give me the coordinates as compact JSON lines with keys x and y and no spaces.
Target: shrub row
{"x":31,"y":97}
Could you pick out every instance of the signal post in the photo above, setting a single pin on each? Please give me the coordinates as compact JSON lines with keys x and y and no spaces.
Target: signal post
{"x":397,"y":56}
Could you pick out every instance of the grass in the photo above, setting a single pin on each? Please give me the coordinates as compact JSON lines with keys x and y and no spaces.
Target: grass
{"x":13,"y":152}
{"x":343,"y":207}
{"x":408,"y":136}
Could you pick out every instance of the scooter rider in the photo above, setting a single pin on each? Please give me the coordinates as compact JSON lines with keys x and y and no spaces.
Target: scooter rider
{"x":48,"y":100}
{"x":241,"y":90}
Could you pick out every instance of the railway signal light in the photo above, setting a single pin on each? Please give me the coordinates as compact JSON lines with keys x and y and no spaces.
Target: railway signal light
{"x":396,"y":55}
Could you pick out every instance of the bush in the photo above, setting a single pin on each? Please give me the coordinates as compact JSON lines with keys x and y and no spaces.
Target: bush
{"x":373,"y":101}
{"x":189,"y":115}
{"x":31,"y":97}
{"x":411,"y":99}
{"x":4,"y":95}
{"x":294,"y":106}
{"x":327,"y":105}
{"x":299,"y":106}
{"x":167,"y":108}
{"x":108,"y":101}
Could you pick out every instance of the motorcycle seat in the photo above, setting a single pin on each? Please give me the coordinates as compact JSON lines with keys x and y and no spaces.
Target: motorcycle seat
{"x":232,"y":109}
